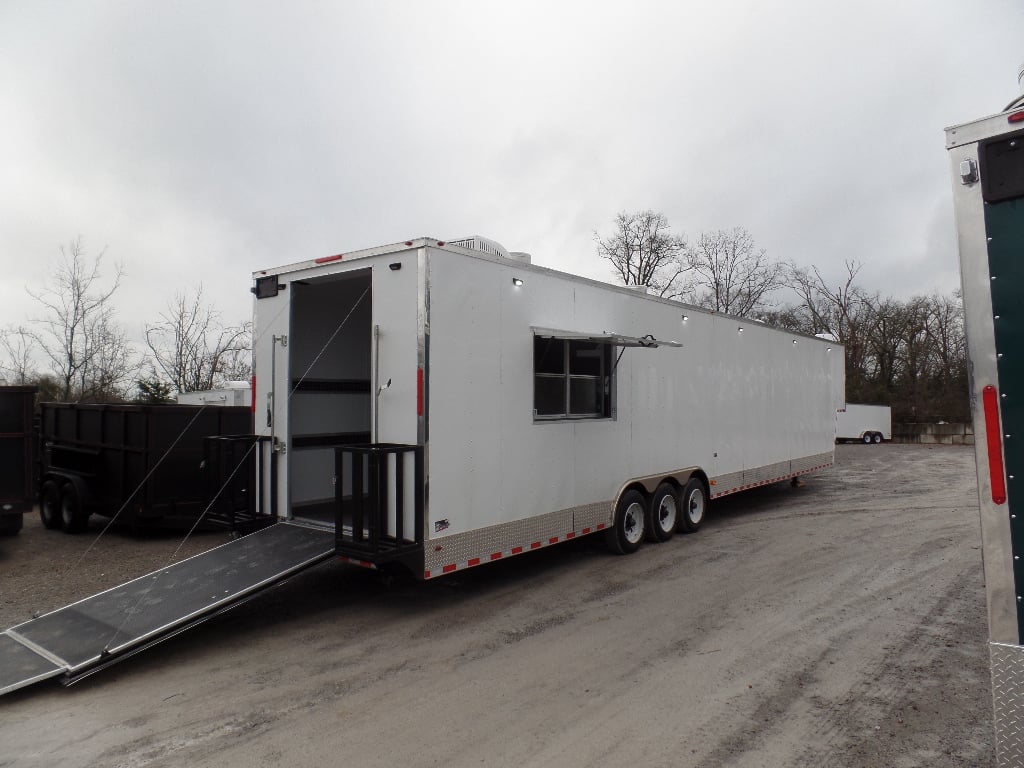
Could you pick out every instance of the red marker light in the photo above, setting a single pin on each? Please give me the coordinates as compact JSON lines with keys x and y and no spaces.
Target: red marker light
{"x":326,"y":259}
{"x":419,"y":391}
{"x":994,"y":442}
{"x":1016,"y":117}
{"x":252,"y":405}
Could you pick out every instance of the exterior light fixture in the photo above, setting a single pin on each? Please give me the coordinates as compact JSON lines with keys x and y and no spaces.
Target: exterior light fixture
{"x":516,"y":281}
{"x":685,"y":318}
{"x":740,"y":329}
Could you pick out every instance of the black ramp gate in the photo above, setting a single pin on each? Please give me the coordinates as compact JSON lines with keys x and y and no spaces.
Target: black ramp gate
{"x":87,"y":635}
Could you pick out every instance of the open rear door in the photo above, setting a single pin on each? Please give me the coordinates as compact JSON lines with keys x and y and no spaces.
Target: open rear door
{"x":93,"y":633}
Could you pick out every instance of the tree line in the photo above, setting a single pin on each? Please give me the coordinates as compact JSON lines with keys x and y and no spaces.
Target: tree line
{"x":76,"y":350}
{"x":910,"y":354}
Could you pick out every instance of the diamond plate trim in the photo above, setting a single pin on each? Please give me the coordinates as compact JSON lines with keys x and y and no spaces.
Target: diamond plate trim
{"x":1008,"y":703}
{"x":768,"y":474}
{"x":457,"y":551}
{"x":464,"y":550}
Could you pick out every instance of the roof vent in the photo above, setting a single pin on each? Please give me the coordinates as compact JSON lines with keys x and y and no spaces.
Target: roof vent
{"x":477,"y":243}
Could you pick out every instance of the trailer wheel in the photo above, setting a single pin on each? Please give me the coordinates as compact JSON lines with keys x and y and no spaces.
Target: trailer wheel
{"x":876,"y":438}
{"x":662,"y":513}
{"x":627,"y":530}
{"x":71,"y":512}
{"x":695,"y":505}
{"x":866,"y":438}
{"x":49,"y":505}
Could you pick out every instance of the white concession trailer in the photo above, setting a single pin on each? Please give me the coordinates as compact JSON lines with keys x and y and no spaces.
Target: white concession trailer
{"x":542,"y":406}
{"x":987,"y":159}
{"x":435,"y":406}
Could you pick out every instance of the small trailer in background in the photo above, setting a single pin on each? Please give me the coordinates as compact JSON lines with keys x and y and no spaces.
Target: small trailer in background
{"x":17,"y":456}
{"x":987,"y":159}
{"x":437,"y":406}
{"x":232,"y":393}
{"x":142,"y":461}
{"x":864,"y":423}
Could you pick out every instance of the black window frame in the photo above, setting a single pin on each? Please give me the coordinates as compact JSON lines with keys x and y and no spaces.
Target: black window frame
{"x":571,"y":369}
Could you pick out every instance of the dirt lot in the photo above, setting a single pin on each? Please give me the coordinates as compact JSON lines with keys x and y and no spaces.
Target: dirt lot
{"x":837,"y":624}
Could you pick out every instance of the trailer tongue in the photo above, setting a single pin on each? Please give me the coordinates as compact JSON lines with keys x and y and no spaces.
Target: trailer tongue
{"x":91,"y":634}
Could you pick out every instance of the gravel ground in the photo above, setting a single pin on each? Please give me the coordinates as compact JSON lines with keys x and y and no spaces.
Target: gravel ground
{"x":837,"y":624}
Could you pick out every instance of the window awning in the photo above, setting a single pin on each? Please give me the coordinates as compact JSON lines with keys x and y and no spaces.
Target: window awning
{"x":616,"y":339}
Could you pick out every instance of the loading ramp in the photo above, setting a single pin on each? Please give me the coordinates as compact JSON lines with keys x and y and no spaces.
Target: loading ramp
{"x":84,"y":637}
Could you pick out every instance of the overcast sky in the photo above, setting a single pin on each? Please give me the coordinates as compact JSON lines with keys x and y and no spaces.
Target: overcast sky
{"x":199,"y":141}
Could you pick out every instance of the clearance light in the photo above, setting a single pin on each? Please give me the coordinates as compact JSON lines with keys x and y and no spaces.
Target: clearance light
{"x":1016,"y":117}
{"x":327,"y":259}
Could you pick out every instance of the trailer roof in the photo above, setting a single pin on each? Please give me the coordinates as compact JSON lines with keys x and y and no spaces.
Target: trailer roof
{"x":985,"y":127}
{"x":326,"y":263}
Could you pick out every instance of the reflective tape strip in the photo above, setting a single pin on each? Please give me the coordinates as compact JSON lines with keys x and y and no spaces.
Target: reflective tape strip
{"x":518,"y":550}
{"x":739,"y":488}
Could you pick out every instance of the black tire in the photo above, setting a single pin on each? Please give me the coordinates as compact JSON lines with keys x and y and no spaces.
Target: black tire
{"x":49,"y":505}
{"x":662,"y":513}
{"x":627,"y":531}
{"x":866,"y":438}
{"x":10,"y":525}
{"x":694,"y":507}
{"x":876,"y":438}
{"x":72,"y":514}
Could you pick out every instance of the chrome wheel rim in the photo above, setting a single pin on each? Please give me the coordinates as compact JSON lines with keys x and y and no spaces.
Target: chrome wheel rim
{"x":633,"y":523}
{"x":667,"y":513}
{"x":695,"y":509}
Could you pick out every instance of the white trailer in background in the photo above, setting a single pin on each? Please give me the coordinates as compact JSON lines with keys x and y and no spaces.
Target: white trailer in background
{"x":865,"y":423}
{"x":232,"y":393}
{"x":543,"y":406}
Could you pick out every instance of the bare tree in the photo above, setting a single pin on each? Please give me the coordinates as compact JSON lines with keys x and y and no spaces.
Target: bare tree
{"x":726,"y":272}
{"x":827,"y":308}
{"x":77,"y":330}
{"x":192,"y":348}
{"x":643,"y":251}
{"x":18,"y":344}
{"x":112,"y":368}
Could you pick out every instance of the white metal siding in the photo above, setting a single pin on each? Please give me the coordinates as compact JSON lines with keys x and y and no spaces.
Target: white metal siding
{"x":754,"y":398}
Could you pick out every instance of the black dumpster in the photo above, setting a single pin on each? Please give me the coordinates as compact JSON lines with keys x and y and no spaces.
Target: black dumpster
{"x":140,"y":463}
{"x":17,"y":491}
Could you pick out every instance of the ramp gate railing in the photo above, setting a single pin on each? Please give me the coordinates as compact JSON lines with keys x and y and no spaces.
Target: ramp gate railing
{"x":379,"y":503}
{"x":237,"y":468}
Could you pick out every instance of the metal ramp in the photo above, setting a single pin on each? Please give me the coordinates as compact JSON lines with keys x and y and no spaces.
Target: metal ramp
{"x":93,"y":633}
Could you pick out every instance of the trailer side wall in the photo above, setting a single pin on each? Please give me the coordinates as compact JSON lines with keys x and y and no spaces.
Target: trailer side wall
{"x":740,"y":404}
